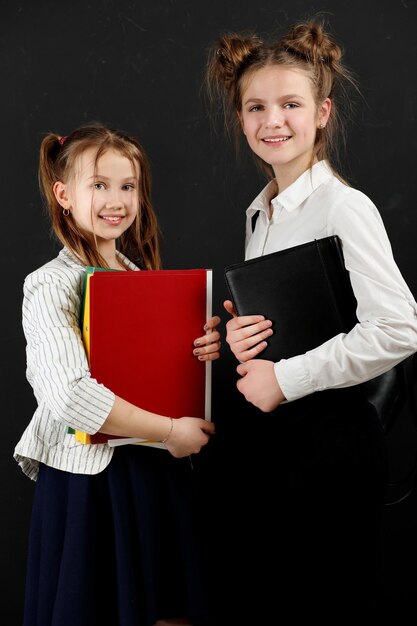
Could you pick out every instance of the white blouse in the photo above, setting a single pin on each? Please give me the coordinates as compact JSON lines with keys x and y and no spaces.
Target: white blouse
{"x":318,"y":205}
{"x":58,"y":371}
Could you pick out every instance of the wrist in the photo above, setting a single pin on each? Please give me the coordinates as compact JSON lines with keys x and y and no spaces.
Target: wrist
{"x":167,"y":436}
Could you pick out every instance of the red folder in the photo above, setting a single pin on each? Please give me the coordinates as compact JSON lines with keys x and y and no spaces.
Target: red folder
{"x":142,"y":325}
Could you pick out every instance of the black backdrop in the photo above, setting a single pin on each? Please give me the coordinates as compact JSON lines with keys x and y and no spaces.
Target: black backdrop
{"x":138,"y":65}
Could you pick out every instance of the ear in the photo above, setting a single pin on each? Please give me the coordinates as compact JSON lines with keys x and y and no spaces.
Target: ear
{"x":323,"y":113}
{"x":60,"y":192}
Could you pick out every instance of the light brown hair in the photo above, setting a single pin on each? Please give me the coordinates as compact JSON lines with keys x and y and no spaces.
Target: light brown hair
{"x":58,"y":159}
{"x":306,"y":46}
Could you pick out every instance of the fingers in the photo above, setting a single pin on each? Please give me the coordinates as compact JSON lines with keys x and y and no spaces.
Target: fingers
{"x":247,"y":355}
{"x":208,"y":427}
{"x":211,"y":353}
{"x":248,"y":325}
{"x":207,"y":339}
{"x":212,"y":322}
{"x":207,"y":347}
{"x":228,"y":305}
{"x":208,"y":353}
{"x":212,"y":356}
{"x":211,"y":335}
{"x":247,"y":341}
{"x":241,"y":369}
{"x":191,"y":434}
{"x":251,"y":335}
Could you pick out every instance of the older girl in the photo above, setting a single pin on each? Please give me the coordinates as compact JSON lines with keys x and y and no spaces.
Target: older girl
{"x":319,"y":471}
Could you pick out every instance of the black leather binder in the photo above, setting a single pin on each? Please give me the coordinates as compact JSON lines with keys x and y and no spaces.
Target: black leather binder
{"x":304,"y":290}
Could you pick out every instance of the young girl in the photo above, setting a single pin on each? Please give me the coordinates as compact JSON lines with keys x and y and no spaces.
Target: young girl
{"x":318,"y":520}
{"x":111,"y":537}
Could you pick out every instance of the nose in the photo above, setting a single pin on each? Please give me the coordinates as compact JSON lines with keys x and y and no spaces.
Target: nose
{"x":274,"y":118}
{"x":114,"y":201}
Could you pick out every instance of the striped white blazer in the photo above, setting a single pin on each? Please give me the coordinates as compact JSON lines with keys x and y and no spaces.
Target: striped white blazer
{"x":57,"y":369}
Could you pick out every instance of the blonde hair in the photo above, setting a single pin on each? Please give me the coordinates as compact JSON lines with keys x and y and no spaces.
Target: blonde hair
{"x":58,"y":160}
{"x":308,"y":47}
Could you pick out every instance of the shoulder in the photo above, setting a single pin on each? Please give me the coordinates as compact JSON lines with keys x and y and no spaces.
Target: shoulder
{"x":63,"y":271}
{"x":355,"y":219}
{"x":343,"y":195}
{"x":348,"y":204}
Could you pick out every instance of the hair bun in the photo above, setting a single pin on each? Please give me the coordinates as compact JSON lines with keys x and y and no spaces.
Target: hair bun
{"x":232,"y":52}
{"x":310,"y":41}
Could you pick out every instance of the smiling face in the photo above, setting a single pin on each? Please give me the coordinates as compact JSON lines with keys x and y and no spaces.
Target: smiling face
{"x":280,"y":118}
{"x":102,"y":197}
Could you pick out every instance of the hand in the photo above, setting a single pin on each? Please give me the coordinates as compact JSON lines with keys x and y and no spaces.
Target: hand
{"x":246,"y":334}
{"x":208,"y":346}
{"x":259,"y":384}
{"x":188,"y":436}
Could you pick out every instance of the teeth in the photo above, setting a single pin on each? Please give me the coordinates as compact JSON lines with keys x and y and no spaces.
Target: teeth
{"x":276,"y":140}
{"x":110,"y":219}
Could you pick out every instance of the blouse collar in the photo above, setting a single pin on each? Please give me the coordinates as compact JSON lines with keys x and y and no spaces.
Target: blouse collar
{"x":73,"y":261}
{"x":295,"y":194}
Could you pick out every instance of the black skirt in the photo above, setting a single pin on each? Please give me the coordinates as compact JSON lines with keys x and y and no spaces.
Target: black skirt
{"x":116,"y":547}
{"x":301,"y":493}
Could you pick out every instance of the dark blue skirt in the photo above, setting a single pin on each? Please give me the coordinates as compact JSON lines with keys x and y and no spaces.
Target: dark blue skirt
{"x":116,"y":547}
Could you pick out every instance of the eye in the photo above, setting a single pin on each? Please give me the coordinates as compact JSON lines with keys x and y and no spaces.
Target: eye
{"x":99,"y":186}
{"x":255,"y":108}
{"x":291,"y":105}
{"x":128,"y":187}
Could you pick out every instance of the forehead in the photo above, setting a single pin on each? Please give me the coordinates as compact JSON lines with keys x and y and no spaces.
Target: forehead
{"x":111,"y":162}
{"x":278,"y":79}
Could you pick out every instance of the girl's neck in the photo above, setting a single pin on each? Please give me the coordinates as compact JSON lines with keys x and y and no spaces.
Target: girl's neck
{"x":115,"y":263}
{"x":286,"y":176}
{"x":112,"y":259}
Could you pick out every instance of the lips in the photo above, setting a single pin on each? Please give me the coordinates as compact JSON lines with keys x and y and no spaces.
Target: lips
{"x":111,"y":219}
{"x":275,"y":140}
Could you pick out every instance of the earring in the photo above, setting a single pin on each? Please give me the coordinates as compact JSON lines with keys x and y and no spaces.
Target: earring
{"x":65,"y":212}
{"x":321,"y":125}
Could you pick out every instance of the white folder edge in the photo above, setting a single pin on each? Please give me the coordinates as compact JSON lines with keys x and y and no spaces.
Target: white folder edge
{"x":209,"y":304}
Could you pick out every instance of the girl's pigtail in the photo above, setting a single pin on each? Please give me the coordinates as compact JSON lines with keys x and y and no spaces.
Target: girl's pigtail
{"x":47,"y":174}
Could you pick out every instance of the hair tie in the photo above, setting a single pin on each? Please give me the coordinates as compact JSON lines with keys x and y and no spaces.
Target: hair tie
{"x":63,"y":139}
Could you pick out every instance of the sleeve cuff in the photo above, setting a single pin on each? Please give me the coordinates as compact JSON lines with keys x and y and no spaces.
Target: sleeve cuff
{"x":293,"y":378}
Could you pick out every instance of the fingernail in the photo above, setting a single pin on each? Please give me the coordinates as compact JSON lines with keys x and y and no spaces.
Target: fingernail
{"x":196,"y":342}
{"x":196,"y":352}
{"x":206,"y":327}
{"x":201,"y":358}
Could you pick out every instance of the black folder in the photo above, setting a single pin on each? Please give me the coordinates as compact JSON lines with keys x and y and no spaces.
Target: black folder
{"x":307,"y":294}
{"x":304,"y":290}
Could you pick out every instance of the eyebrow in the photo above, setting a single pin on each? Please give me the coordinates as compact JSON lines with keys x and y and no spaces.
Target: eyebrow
{"x":290,"y":96}
{"x":102,"y":177}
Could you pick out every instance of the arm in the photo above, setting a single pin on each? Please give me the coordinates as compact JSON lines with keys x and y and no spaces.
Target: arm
{"x":386,"y":332}
{"x":59,"y":372}
{"x":188,"y":434}
{"x":387,"y":312}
